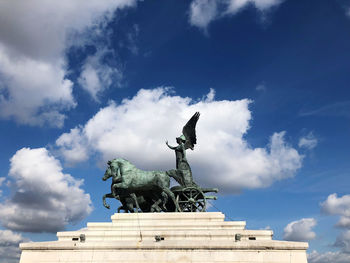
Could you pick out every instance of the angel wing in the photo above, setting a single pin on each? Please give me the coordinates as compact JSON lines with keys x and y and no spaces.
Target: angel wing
{"x":189,"y":131}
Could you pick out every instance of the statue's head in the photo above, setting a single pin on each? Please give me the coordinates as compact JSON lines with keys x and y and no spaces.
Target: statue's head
{"x":181,"y":139}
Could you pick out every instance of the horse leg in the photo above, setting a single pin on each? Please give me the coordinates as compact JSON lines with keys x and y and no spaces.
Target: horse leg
{"x":114,"y":190}
{"x":133,"y":195}
{"x":128,"y":204}
{"x":110,"y":195}
{"x":172,"y":196}
{"x":155,"y":207}
{"x":130,"y":208}
{"x":123,"y":207}
{"x":165,"y":200}
{"x":125,"y":204}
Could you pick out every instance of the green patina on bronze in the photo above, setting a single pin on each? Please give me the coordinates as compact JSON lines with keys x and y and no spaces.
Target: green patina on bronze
{"x":148,"y":191}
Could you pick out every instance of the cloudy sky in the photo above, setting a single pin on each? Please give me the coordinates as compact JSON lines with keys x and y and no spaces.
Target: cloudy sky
{"x":82,"y":82}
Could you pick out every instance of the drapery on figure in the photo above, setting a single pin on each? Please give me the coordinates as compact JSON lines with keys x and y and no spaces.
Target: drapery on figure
{"x":183,"y":173}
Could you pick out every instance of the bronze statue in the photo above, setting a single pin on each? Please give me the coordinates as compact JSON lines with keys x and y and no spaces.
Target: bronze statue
{"x":148,"y":191}
{"x":187,"y":140}
{"x":133,"y":180}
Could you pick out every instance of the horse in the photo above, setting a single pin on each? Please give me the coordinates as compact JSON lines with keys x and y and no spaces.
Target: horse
{"x":115,"y":179}
{"x":126,"y":201}
{"x":129,"y":181}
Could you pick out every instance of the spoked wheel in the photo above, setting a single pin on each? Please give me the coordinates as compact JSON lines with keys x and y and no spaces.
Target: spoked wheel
{"x":191,"y":199}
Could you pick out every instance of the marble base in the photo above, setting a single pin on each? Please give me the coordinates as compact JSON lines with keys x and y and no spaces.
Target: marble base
{"x":165,"y":237}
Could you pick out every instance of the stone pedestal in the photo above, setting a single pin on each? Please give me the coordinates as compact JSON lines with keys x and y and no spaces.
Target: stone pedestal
{"x":165,"y":237}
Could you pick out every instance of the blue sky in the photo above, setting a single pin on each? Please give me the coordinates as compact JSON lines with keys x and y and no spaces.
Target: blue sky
{"x":81,"y":83}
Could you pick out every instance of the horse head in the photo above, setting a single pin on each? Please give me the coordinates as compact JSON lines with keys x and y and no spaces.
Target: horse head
{"x":116,"y":168}
{"x":107,"y":174}
{"x":112,"y":170}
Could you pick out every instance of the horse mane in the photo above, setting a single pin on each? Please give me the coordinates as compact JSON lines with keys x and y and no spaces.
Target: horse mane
{"x":124,"y":162}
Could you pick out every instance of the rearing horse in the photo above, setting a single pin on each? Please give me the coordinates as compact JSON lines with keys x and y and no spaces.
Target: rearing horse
{"x":115,"y":179}
{"x":129,"y":180}
{"x":128,"y":199}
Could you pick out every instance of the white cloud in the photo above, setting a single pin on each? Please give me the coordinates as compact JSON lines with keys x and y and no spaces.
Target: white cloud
{"x":2,"y":179}
{"x":337,"y":109}
{"x":210,"y":96}
{"x":308,"y":142}
{"x":90,"y":80}
{"x":72,"y":146}
{"x":202,"y":12}
{"x":34,"y":36}
{"x":33,"y":92}
{"x":9,"y":246}
{"x":261,"y":87}
{"x":338,"y":206}
{"x":300,"y":230}
{"x":347,"y":12}
{"x":96,"y":76}
{"x":343,"y":241}
{"x":262,"y":5}
{"x":131,"y":39}
{"x":328,"y":257}
{"x":138,"y":127}
{"x":45,"y":199}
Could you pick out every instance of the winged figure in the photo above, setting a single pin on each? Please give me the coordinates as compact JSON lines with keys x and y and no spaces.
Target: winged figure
{"x":187,"y":140}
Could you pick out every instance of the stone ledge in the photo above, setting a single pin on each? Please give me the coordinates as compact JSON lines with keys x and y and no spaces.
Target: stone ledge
{"x":207,"y":216}
{"x":166,"y":245}
{"x":205,"y":234}
{"x":167,"y":224}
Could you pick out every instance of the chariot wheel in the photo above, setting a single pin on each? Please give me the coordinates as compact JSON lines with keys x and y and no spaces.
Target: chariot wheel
{"x":191,"y":199}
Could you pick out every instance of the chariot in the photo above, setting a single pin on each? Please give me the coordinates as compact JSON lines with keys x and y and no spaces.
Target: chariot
{"x":192,"y":198}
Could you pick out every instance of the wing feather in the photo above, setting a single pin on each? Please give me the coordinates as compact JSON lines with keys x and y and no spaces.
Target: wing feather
{"x":189,"y":131}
